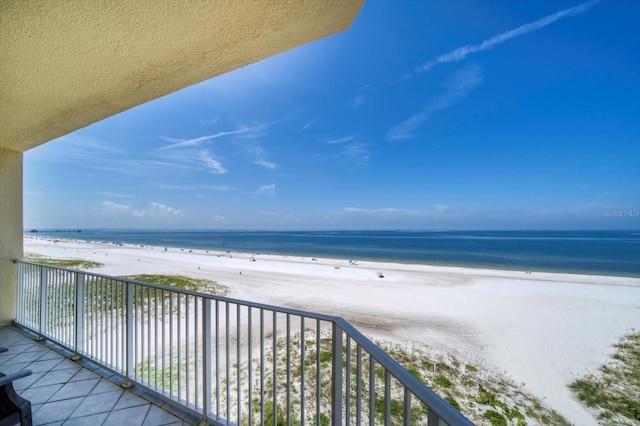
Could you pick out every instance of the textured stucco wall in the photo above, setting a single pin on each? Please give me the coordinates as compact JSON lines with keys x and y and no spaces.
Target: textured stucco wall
{"x":10,"y":230}
{"x":67,"y":64}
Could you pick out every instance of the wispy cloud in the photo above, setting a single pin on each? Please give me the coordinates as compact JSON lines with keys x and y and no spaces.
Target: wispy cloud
{"x":218,"y":188}
{"x":192,"y":159}
{"x":356,"y":152}
{"x":341,"y":140}
{"x":360,"y":97}
{"x":269,"y":189}
{"x":76,"y":148}
{"x":212,"y":163}
{"x":438,"y":209}
{"x":309,"y":124}
{"x":114,"y":195}
{"x":113,"y":207}
{"x":456,"y":89}
{"x":159,"y":210}
{"x":261,"y":157}
{"x":463,"y":51}
{"x":244,"y":131}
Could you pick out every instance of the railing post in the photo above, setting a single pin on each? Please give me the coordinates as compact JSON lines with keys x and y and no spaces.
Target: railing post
{"x":19,"y":291}
{"x":79,"y":315}
{"x":433,"y":418}
{"x":43,"y":302}
{"x":206,"y":362}
{"x":336,"y":373}
{"x":129,"y":337}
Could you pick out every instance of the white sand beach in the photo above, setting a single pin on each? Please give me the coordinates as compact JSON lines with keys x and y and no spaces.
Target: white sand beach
{"x":541,"y":329}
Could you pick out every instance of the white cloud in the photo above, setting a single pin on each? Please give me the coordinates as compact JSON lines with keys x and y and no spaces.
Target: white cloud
{"x":356,"y":152}
{"x":266,"y":189}
{"x":360,"y":97}
{"x":437,"y":210}
{"x":165,"y":210}
{"x":372,"y":211}
{"x":461,"y":52}
{"x":218,"y":188}
{"x":212,"y":163}
{"x":247,"y":131}
{"x":112,"y":207}
{"x":309,"y":124}
{"x":261,"y":157}
{"x":266,"y":164}
{"x":456,"y":89}
{"x":340,"y":140}
{"x":158,"y":211}
{"x":219,"y":219}
{"x":114,"y":195}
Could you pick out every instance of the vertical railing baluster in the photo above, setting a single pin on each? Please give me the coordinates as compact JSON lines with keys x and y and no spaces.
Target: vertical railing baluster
{"x":206,"y":362}
{"x":155,"y":340}
{"x":250,"y":363}
{"x":43,"y":301}
{"x":406,"y":415}
{"x":318,"y":351}
{"x":347,"y":386}
{"x":217,"y":359}
{"x":129,"y":332}
{"x":79,"y":314}
{"x":336,"y":374}
{"x":163,"y":301}
{"x":303,"y":346}
{"x":179,"y":348}
{"x":372,"y":390}
{"x":387,"y":397}
{"x":228,"y":364}
{"x":171,"y":369}
{"x":186,"y":354}
{"x":275,"y":368}
{"x":288,"y":369}
{"x":433,"y":418}
{"x":262,"y":389}
{"x":196,"y":356}
{"x":238,"y":362}
{"x":358,"y":384}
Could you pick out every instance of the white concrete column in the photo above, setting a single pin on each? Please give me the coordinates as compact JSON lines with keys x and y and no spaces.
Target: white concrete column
{"x":10,"y":230}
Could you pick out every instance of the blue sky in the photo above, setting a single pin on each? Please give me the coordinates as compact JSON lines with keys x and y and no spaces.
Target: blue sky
{"x":422,"y":115}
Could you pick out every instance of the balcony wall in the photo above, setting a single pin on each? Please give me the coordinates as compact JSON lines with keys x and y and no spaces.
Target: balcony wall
{"x":10,"y":230}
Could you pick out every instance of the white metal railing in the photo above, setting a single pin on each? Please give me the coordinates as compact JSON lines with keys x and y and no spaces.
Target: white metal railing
{"x":227,"y":360}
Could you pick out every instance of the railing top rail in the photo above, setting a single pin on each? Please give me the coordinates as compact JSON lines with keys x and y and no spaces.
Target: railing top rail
{"x":279,"y":309}
{"x":422,"y":392}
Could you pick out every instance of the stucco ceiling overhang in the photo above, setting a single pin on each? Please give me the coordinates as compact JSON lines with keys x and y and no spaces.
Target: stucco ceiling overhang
{"x":67,"y":64}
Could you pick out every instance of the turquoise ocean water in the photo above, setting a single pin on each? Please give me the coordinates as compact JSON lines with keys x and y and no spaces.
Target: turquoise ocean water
{"x":591,"y":252}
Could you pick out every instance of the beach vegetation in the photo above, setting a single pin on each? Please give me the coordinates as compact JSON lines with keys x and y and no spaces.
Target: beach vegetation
{"x":452,"y":379}
{"x":452,"y":402}
{"x":62,"y":263}
{"x":495,"y":418}
{"x":182,"y":282}
{"x":613,"y":391}
{"x":442,"y":381}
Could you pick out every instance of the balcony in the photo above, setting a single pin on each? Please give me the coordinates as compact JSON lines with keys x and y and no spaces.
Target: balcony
{"x":222,"y":361}
{"x":79,"y":393}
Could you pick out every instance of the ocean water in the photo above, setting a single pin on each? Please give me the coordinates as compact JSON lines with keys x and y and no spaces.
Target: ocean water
{"x":590,"y":252}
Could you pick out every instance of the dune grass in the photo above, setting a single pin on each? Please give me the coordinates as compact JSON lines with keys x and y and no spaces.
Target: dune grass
{"x":613,"y":392}
{"x":185,"y":283}
{"x":62,"y":263}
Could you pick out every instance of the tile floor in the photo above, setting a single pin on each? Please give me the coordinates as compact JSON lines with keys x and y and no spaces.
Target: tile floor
{"x":69,"y":393}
